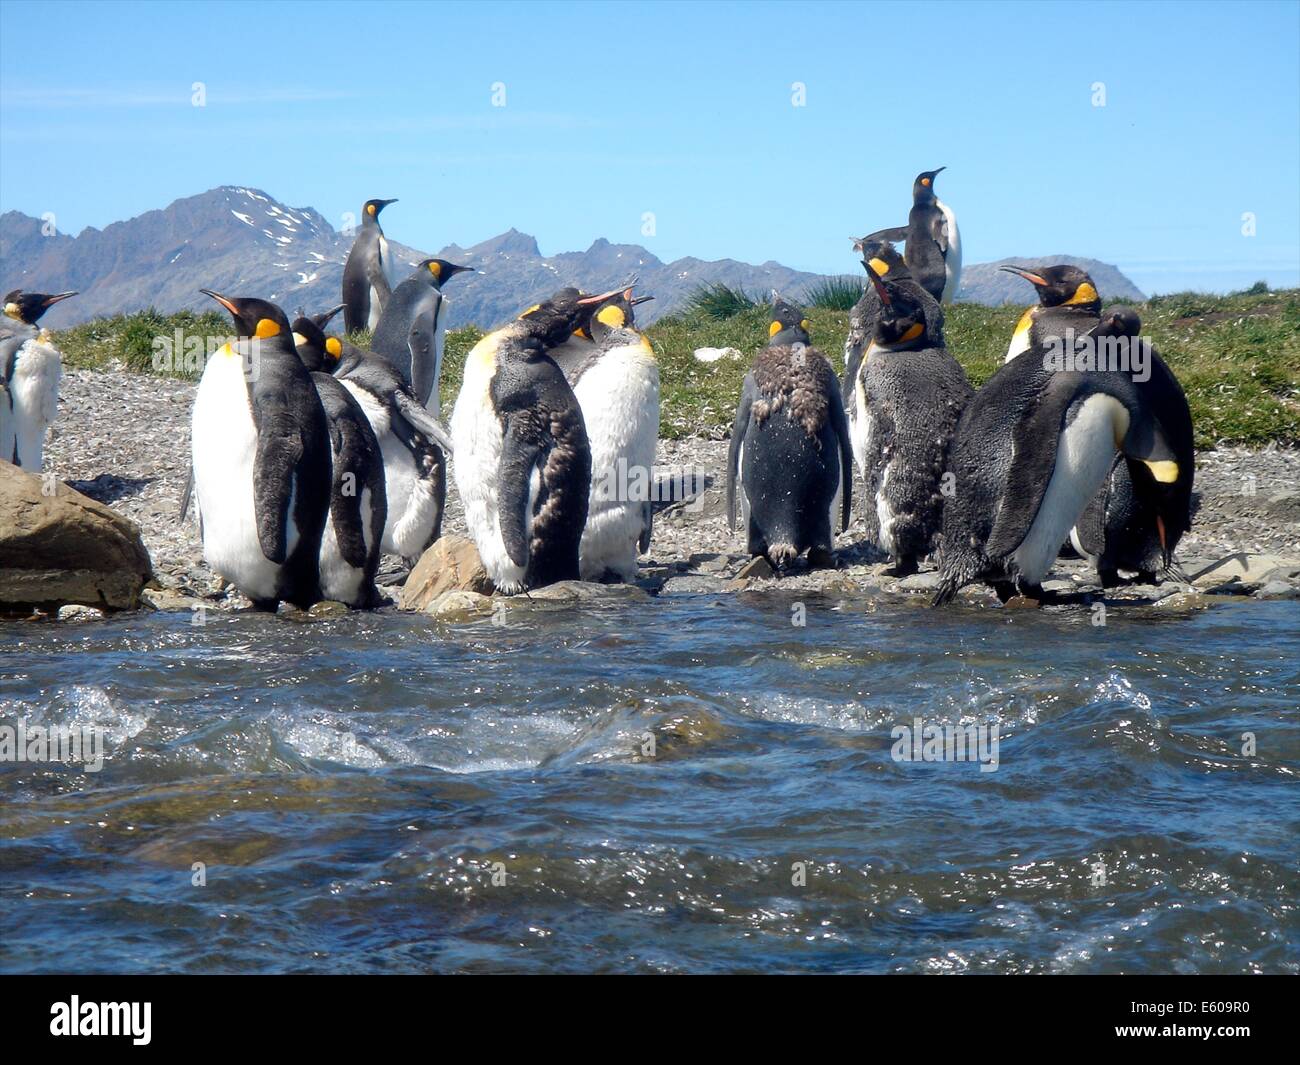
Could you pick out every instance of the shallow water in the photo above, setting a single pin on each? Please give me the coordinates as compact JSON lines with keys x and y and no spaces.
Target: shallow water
{"x":383,"y":793}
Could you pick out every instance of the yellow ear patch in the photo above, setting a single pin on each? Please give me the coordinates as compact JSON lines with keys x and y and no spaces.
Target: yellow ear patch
{"x":580,"y":332}
{"x":333,"y":346}
{"x":879,"y":266}
{"x":266,"y":328}
{"x":1085,"y":294}
{"x":370,"y":208}
{"x":612,"y":316}
{"x":11,"y":309}
{"x":534,"y":307}
{"x":913,"y":331}
{"x":925,"y":181}
{"x":435,"y":269}
{"x":774,"y":328}
{"x":805,"y":324}
{"x":1166,"y":471}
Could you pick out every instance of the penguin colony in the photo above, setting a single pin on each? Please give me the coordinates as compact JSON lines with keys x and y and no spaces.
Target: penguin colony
{"x":312,"y":456}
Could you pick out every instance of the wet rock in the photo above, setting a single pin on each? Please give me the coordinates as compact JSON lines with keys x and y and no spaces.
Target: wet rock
{"x":327,"y":608}
{"x":698,"y":585}
{"x":583,"y":592}
{"x":1245,"y":572}
{"x":1189,"y":600}
{"x":1022,"y":602}
{"x":920,"y":582}
{"x":65,"y":548}
{"x":461,"y":606}
{"x":1278,"y":589}
{"x":452,"y":564}
{"x":80,"y":613}
{"x":757,"y":567}
{"x":168,"y":599}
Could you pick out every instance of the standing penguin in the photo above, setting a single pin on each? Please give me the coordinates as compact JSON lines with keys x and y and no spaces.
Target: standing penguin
{"x":617,"y":387}
{"x":410,"y":441}
{"x":933,"y":252}
{"x":366,"y":275}
{"x":522,"y":457}
{"x":881,"y":258}
{"x":30,"y":371}
{"x":790,"y":448}
{"x":1031,"y":450}
{"x":1067,"y":299}
{"x":261,"y":461}
{"x":912,"y":393}
{"x":411,"y":329}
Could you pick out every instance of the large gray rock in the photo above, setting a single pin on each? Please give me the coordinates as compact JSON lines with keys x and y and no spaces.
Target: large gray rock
{"x":63,"y":548}
{"x":1244,"y":572}
{"x":452,"y":564}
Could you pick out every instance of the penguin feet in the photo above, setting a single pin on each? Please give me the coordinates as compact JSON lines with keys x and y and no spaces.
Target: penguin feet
{"x":903,"y":567}
{"x":821,"y":558}
{"x":266,"y":606}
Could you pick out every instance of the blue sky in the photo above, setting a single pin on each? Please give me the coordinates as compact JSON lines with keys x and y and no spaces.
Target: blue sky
{"x":684,"y":111}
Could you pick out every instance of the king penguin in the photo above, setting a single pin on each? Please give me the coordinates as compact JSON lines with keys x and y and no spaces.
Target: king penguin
{"x":1032,"y":448}
{"x":261,"y":461}
{"x":617,"y":388}
{"x":411,"y":330}
{"x":411,"y":442}
{"x":912,"y":393}
{"x":31,"y":369}
{"x":1067,"y":299}
{"x":522,"y":456}
{"x":790,"y":452}
{"x":933,"y":252}
{"x":367,"y":282}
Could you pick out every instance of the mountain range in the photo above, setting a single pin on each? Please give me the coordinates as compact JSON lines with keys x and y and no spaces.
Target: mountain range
{"x":242,"y":241}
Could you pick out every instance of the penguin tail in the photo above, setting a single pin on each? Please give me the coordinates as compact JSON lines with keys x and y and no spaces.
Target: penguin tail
{"x":947,"y":591}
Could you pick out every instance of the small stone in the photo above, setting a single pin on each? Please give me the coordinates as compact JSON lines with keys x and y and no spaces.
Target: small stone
{"x":327,"y":608}
{"x":757,"y":568}
{"x":1183,"y":601}
{"x":75,"y":612}
{"x":1022,"y":602}
{"x":1278,"y":589}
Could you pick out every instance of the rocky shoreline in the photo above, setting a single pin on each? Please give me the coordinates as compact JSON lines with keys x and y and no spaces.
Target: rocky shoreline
{"x":123,"y":439}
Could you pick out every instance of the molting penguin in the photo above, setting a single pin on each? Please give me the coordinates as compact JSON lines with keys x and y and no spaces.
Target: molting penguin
{"x":410,"y":442}
{"x":1067,"y":299}
{"x":617,"y":387}
{"x":261,"y":461}
{"x":790,"y":447}
{"x":933,"y":252}
{"x":522,"y":457}
{"x":1031,"y":450}
{"x":878,"y":257}
{"x":30,"y":371}
{"x":911,"y":393}
{"x":366,"y":275}
{"x":411,"y":329}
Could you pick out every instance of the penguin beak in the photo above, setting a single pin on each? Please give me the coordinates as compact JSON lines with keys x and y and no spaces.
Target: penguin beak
{"x":881,"y":291}
{"x":586,"y":301}
{"x":50,"y":301}
{"x":1032,"y":278}
{"x":222,"y":300}
{"x":322,"y":320}
{"x":454,"y":269}
{"x":638,"y":300}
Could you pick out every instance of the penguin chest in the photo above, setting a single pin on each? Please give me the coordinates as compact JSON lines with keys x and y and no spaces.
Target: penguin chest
{"x":34,"y":395}
{"x":224,"y":448}
{"x":1085,"y":451}
{"x":859,"y":415}
{"x":1020,"y":339}
{"x":952,"y":257}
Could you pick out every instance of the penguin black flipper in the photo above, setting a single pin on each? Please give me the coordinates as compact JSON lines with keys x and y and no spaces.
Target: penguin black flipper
{"x":423,"y":421}
{"x":185,"y":496}
{"x":748,"y":393}
{"x":939,"y":231}
{"x":648,"y":518}
{"x":1091,"y":526}
{"x":420,"y":343}
{"x":521,"y":454}
{"x":356,"y":454}
{"x":280,"y":449}
{"x":892,"y":235}
{"x":840,"y":423}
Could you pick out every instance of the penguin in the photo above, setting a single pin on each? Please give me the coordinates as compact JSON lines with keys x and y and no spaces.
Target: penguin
{"x":358,"y":506}
{"x":933,"y":252}
{"x":31,"y":369}
{"x":1067,"y":299}
{"x":617,"y":389}
{"x":1032,"y":448}
{"x":261,"y":461}
{"x":1122,"y":527}
{"x":366,"y":275}
{"x":881,"y":258}
{"x":578,"y":348}
{"x":911,"y":394}
{"x":411,"y":442}
{"x":790,"y":450}
{"x":411,"y":329}
{"x":522,"y":456}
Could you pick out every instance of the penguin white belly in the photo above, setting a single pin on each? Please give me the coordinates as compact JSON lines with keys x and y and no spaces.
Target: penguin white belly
{"x":619,"y":397}
{"x":1085,"y":451}
{"x":885,"y":516}
{"x":859,"y":424}
{"x":476,"y":433}
{"x":376,"y":309}
{"x":339,"y":580}
{"x":34,"y":392}
{"x":224,"y":445}
{"x":952,"y":260}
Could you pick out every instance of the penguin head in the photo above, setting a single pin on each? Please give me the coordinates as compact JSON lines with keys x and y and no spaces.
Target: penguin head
{"x":437,"y":271}
{"x":254,"y":318}
{"x":323,"y":319}
{"x":923,"y":186}
{"x":788,"y":324}
{"x":624,"y":301}
{"x":310,"y":342}
{"x":553,"y":320}
{"x":1061,"y":286}
{"x":902,"y":322}
{"x":882,"y":257}
{"x":371,"y":208}
{"x":27,"y":307}
{"x":611,"y":324}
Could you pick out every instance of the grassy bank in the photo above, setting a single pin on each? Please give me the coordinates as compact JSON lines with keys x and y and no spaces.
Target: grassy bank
{"x":1238,"y":357}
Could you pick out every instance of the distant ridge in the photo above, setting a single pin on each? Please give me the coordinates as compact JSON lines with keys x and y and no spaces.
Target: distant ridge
{"x":244,"y":241}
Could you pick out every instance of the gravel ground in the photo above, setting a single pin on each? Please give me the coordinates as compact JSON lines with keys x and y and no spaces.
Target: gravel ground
{"x":123,"y":439}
